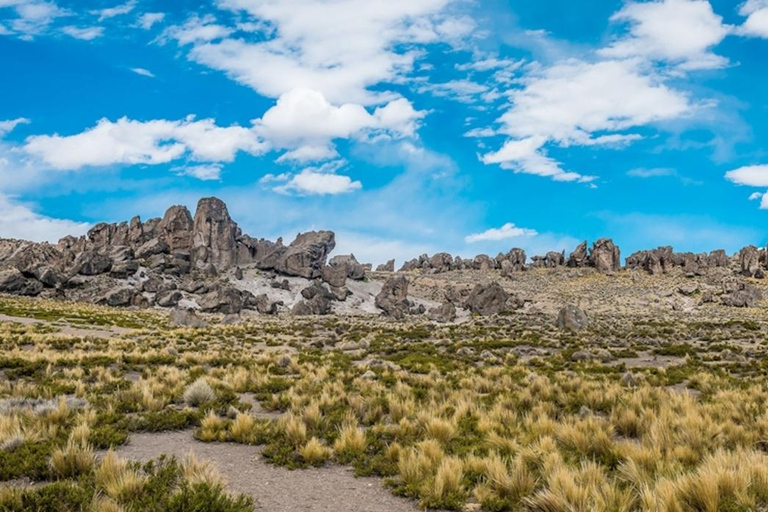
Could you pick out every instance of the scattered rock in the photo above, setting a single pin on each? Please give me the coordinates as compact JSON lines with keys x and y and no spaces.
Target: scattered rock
{"x":186,"y":318}
{"x":393,"y":298}
{"x":386,"y":267}
{"x":572,"y":318}
{"x":444,"y":313}
{"x":487,"y":299}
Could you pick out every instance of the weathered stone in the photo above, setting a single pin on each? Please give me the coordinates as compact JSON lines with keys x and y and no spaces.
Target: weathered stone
{"x":335,"y":275}
{"x":354,"y":269}
{"x":487,"y":299}
{"x":151,"y":248}
{"x":605,"y":256}
{"x":264,"y":305}
{"x":222,"y":299}
{"x":749,"y":261}
{"x":168,"y":298}
{"x":214,"y":235}
{"x":572,"y":318}
{"x":185,"y":318}
{"x":119,"y":297}
{"x":578,"y":258}
{"x":306,"y":255}
{"x":444,"y":313}
{"x":176,"y":228}
{"x":13,"y":281}
{"x":92,"y":263}
{"x":386,"y":267}
{"x":393,"y":298}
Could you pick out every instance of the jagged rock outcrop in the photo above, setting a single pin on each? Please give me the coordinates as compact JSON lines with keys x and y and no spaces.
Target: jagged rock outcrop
{"x":225,"y":299}
{"x":317,"y":301}
{"x":214,"y":235}
{"x":393,"y":298}
{"x":13,"y":281}
{"x":663,"y":259}
{"x":335,"y":275}
{"x":306,"y":255}
{"x":579,"y":257}
{"x":386,"y":267}
{"x":176,"y":228}
{"x":487,"y":299}
{"x":605,"y":256}
{"x":749,"y":261}
{"x":572,"y":318}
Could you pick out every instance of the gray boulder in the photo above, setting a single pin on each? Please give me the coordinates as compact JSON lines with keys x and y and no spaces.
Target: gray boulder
{"x":306,"y":255}
{"x":572,"y":318}
{"x":119,"y":297}
{"x":386,"y":267}
{"x":393,"y":298}
{"x":214,"y":235}
{"x":749,"y":261}
{"x":92,"y":263}
{"x":487,"y":299}
{"x":13,"y":281}
{"x":176,"y":228}
{"x":151,"y":248}
{"x":354,"y":269}
{"x":579,"y":258}
{"x":444,"y":313}
{"x":223,"y":299}
{"x":335,"y":275}
{"x":605,"y":256}
{"x":168,"y":298}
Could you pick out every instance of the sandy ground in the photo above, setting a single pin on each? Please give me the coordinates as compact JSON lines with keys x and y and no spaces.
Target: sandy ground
{"x":275,"y":489}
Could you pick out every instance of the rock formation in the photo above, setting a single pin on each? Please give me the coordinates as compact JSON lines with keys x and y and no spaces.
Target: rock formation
{"x":393,"y":298}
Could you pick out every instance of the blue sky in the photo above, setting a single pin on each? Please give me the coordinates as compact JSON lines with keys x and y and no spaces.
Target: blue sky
{"x":467,"y":126}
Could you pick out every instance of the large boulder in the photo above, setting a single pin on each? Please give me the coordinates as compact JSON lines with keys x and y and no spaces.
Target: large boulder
{"x":306,"y":255}
{"x":572,"y":318}
{"x":441,"y":262}
{"x":92,"y":263}
{"x":224,"y":299}
{"x":605,"y":256}
{"x":354,"y":269}
{"x":487,"y":300}
{"x":13,"y":281}
{"x":214,"y":235}
{"x":264,"y":305}
{"x":168,"y":298}
{"x":335,"y":275}
{"x":393,"y":298}
{"x":118,"y":297}
{"x":317,"y":301}
{"x":151,"y":248}
{"x":484,"y":263}
{"x":186,"y":318}
{"x":513,"y":261}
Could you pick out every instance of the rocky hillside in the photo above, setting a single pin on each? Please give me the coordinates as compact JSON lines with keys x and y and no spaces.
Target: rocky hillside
{"x":206,"y":263}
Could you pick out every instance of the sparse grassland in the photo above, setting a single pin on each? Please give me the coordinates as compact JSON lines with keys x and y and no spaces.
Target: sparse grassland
{"x":506,"y":414}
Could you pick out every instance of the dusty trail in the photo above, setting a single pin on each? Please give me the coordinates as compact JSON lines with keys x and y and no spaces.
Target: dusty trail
{"x":275,"y":489}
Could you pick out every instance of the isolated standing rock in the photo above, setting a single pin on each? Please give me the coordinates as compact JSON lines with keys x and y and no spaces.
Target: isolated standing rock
{"x":572,"y":318}
{"x":749,"y":260}
{"x":393,"y":298}
{"x":214,"y":235}
{"x":176,"y":228}
{"x":605,"y":256}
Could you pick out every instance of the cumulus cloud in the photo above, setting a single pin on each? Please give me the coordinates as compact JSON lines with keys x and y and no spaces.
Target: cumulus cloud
{"x":152,"y":142}
{"x":681,"y":32}
{"x":314,"y":181}
{"x":528,"y":156}
{"x":84,"y":33}
{"x":751,"y":175}
{"x":203,"y":172}
{"x":505,"y":232}
{"x":20,"y":221}
{"x":339,"y":47}
{"x":196,"y":30}
{"x":756,"y":24}
{"x":305,"y":122}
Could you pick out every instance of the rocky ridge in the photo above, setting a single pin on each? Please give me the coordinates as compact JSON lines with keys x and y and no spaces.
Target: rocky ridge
{"x":206,"y":263}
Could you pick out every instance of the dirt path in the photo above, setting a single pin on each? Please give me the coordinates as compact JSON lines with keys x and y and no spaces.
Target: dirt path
{"x":275,"y":489}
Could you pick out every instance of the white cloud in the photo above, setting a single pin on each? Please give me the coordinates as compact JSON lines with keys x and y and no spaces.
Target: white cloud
{"x":677,"y":31}
{"x":32,"y":16}
{"x":528,"y":156}
{"x":756,"y":24}
{"x":505,"y":232}
{"x":143,"y":72}
{"x":149,"y":19}
{"x":197,"y":30}
{"x":20,"y":221}
{"x":117,"y":10}
{"x":755,"y":195}
{"x":581,"y":103}
{"x":204,"y":172}
{"x":9,"y":125}
{"x":338,"y":47}
{"x":315,"y":181}
{"x":305,"y":154}
{"x":152,"y":142}
{"x":752,"y":175}
{"x":304,"y":121}
{"x":84,"y":33}
{"x":651,"y":173}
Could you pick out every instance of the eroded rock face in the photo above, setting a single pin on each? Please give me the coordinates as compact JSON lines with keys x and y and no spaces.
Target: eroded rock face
{"x":579,"y":258}
{"x":605,"y":256}
{"x":317,"y":301}
{"x":306,"y":255}
{"x":393,"y":298}
{"x":487,"y":299}
{"x":224,"y":299}
{"x":176,"y":228}
{"x":13,"y":281}
{"x":749,"y":261}
{"x":214,"y":235}
{"x":354,"y":269}
{"x":572,"y":318}
{"x":386,"y":267}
